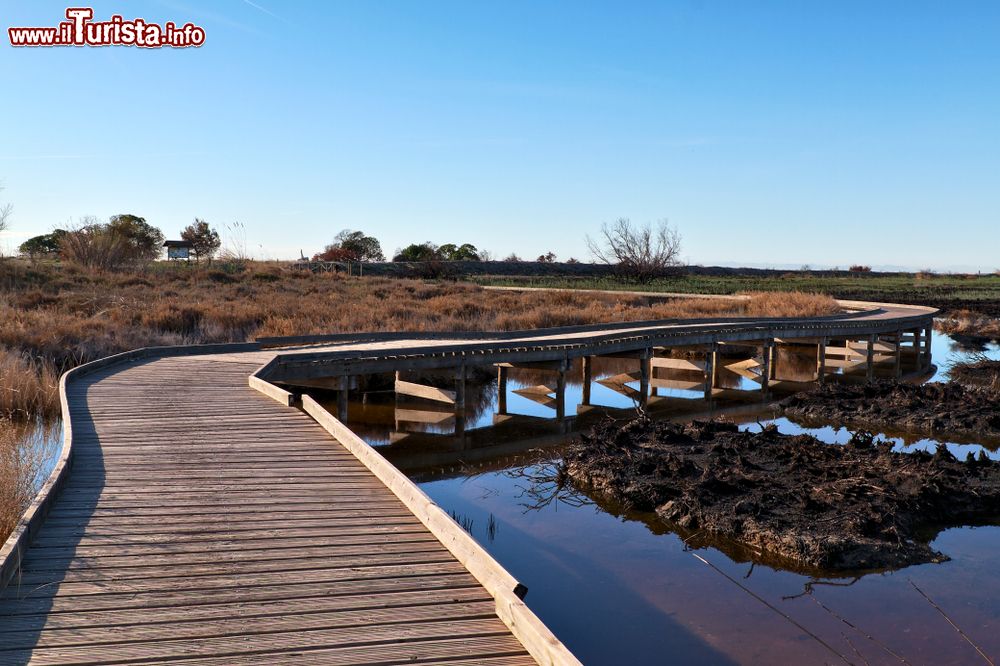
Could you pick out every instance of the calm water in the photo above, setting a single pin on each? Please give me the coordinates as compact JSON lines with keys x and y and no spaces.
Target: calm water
{"x":621,"y":588}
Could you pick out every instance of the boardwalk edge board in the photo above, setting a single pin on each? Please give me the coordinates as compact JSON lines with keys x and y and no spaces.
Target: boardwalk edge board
{"x":540,"y":642}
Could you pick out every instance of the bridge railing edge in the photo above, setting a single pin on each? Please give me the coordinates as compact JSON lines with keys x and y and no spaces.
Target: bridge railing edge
{"x":529,"y":630}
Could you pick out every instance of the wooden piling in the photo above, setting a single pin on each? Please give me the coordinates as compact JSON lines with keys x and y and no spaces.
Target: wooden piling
{"x":821,"y":360}
{"x":342,"y":400}
{"x":928,"y":338}
{"x":765,"y":369}
{"x":644,"y":371}
{"x":561,"y":391}
{"x":460,"y":388}
{"x":710,"y":362}
{"x":871,"y":358}
{"x":898,"y":358}
{"x":588,"y":376}
{"x":501,"y":389}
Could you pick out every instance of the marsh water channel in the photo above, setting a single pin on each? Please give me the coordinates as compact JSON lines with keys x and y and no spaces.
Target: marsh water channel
{"x":620,"y":587}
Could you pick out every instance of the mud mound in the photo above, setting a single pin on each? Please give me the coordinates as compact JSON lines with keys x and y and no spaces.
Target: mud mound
{"x":839,"y":508}
{"x":934,"y":407}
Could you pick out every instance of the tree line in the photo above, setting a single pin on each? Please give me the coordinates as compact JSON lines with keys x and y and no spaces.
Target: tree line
{"x":637,"y":252}
{"x":125,"y":241}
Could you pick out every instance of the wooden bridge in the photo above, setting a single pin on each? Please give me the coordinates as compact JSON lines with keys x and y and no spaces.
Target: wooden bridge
{"x":195,"y":515}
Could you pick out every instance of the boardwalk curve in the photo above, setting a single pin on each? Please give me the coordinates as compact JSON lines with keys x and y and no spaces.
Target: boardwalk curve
{"x":193,"y":518}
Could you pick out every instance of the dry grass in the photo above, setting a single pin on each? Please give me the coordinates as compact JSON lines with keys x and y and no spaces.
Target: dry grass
{"x":977,"y":370}
{"x":969,"y":323}
{"x":52,"y":318}
{"x":21,"y":462}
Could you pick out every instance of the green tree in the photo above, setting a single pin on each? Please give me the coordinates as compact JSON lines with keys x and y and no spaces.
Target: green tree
{"x":205,"y":241}
{"x":427,"y":251}
{"x":361,"y":246}
{"x":46,"y":245}
{"x":465,"y":252}
{"x":145,"y":240}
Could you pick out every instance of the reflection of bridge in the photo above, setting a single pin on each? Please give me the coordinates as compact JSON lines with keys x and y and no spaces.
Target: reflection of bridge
{"x":693,"y":355}
{"x":188,"y":517}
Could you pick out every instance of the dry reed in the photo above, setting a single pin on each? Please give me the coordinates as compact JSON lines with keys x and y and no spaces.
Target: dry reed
{"x":53,"y":318}
{"x":22,"y":459}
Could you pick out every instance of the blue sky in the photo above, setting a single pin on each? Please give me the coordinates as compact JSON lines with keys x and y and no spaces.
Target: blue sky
{"x":769,"y":133}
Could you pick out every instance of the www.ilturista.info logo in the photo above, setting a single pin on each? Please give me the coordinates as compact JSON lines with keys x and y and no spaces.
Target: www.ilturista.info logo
{"x":81,"y":30}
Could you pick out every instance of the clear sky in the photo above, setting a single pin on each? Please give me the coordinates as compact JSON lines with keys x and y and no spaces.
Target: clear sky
{"x":769,"y":133}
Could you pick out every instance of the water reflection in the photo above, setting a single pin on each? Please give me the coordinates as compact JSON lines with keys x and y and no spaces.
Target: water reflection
{"x":620,"y":586}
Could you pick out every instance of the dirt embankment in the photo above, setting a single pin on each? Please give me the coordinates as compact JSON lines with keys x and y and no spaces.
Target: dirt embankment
{"x":932,"y":408}
{"x":837,"y":508}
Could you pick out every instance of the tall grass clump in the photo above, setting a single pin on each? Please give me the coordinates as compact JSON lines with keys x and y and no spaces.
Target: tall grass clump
{"x":22,"y":461}
{"x":28,"y":387}
{"x":790,"y":304}
{"x":969,"y":323}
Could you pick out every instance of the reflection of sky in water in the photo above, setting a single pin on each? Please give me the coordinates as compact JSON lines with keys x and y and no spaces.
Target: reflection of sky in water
{"x":376,"y":419}
{"x":834,"y":435}
{"x":623,"y":589}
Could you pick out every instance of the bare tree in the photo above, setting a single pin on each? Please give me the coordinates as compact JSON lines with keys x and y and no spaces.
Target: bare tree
{"x":640,"y":253}
{"x":5,"y":211}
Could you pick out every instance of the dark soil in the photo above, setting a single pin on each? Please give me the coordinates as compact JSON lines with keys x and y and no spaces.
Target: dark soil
{"x":837,"y":508}
{"x":934,"y":407}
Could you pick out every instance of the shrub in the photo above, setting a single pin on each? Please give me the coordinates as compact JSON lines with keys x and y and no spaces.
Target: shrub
{"x":637,"y":253}
{"x":125,"y":242}
{"x":351,"y":245}
{"x":859,"y":268}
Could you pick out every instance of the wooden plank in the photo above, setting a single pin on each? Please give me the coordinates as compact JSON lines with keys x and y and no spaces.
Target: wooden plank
{"x":532,"y":633}
{"x":426,"y":392}
{"x":677,"y":384}
{"x":244,"y":624}
{"x":677,"y":364}
{"x":423,"y":416}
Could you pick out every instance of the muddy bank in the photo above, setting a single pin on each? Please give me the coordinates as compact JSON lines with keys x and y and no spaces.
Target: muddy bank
{"x":934,"y":407}
{"x":841,"y":508}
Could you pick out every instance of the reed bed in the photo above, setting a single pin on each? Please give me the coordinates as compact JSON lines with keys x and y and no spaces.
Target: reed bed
{"x":53,"y":318}
{"x":969,"y":324}
{"x":23,"y":457}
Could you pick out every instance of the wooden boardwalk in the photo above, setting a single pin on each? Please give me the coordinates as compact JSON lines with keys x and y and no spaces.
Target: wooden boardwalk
{"x":205,"y":522}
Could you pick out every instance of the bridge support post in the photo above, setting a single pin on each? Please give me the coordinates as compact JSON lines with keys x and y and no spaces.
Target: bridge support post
{"x":765,"y":368}
{"x":588,"y":376}
{"x":871,"y":357}
{"x":460,"y":387}
{"x":898,"y":359}
{"x":561,"y":391}
{"x":501,"y":390}
{"x":928,"y":338}
{"x":460,"y":399}
{"x":342,"y":398}
{"x":644,"y":367}
{"x":711,"y":356}
{"x":821,"y":361}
